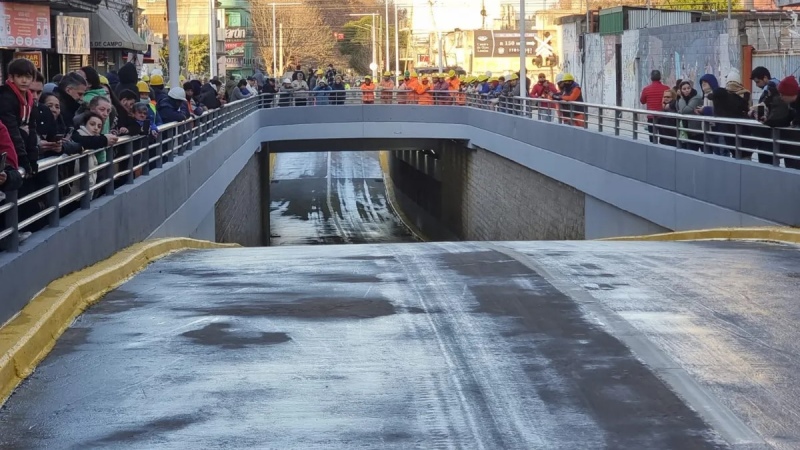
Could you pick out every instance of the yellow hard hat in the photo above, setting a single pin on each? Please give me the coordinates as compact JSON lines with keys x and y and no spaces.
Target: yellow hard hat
{"x":103,"y":80}
{"x":452,"y":73}
{"x":145,"y":78}
{"x":494,"y":79}
{"x":320,"y":72}
{"x":462,"y":78}
{"x":142,"y":87}
{"x":156,"y":80}
{"x":514,"y":76}
{"x":483,"y":78}
{"x":568,"y":77}
{"x":368,"y":77}
{"x":182,"y":78}
{"x":413,"y":74}
{"x":471,"y":79}
{"x":387,"y":74}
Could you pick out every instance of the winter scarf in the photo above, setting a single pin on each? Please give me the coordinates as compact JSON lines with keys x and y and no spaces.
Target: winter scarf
{"x":25,"y":105}
{"x":736,"y":88}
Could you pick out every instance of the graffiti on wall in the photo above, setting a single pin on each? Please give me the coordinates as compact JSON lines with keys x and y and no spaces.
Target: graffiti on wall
{"x":630,"y":69}
{"x":570,"y":60}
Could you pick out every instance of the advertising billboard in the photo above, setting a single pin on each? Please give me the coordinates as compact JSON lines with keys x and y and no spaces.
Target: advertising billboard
{"x":24,"y":26}
{"x":502,"y":44}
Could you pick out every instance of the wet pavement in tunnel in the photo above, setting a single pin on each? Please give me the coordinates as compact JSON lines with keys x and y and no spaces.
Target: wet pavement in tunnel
{"x":331,"y":198}
{"x":523,"y":345}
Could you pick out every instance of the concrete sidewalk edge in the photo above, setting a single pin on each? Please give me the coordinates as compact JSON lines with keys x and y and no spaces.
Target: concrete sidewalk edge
{"x":29,"y":336}
{"x":774,"y":234}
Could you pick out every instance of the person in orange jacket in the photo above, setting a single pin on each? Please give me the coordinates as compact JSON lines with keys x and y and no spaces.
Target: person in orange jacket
{"x":455,"y":86}
{"x":367,"y":91}
{"x":422,"y":90}
{"x":386,"y":87}
{"x":410,"y":85}
{"x":571,"y":92}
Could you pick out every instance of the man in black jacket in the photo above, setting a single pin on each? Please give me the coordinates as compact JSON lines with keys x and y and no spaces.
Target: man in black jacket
{"x":128,"y":77}
{"x":209,"y":94}
{"x":18,"y":112}
{"x":70,"y":92}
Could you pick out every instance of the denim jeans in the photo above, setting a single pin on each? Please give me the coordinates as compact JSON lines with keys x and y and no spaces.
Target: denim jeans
{"x":546,"y":114}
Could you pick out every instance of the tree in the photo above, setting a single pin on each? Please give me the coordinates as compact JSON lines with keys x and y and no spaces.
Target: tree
{"x":357,"y":43}
{"x":198,"y":55}
{"x":698,"y":5}
{"x":307,"y":40}
{"x":164,"y":54}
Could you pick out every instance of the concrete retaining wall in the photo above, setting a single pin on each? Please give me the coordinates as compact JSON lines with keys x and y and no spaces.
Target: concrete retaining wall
{"x":239,"y":213}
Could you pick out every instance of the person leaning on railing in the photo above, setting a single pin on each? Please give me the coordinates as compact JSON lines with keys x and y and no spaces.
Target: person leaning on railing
{"x":173,"y":107}
{"x":731,"y":102}
{"x":782,"y":109}
{"x":10,"y":178}
{"x":18,"y":114}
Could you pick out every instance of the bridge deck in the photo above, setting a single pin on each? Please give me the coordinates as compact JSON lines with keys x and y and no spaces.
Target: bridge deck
{"x":471,"y":345}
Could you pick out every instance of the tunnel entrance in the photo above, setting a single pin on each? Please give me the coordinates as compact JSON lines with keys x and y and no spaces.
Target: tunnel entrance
{"x":336,"y":197}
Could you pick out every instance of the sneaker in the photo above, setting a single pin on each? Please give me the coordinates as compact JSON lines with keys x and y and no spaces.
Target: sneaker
{"x":24,"y":235}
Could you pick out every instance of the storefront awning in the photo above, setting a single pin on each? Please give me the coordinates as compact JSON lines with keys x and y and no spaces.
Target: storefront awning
{"x":109,"y":31}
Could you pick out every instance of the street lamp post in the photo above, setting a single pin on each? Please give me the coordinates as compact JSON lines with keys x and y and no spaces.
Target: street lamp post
{"x":386,"y":55}
{"x":212,"y":38}
{"x":522,"y":51}
{"x":174,"y":43}
{"x":374,"y":64}
{"x":275,"y":40}
{"x":396,"y":49}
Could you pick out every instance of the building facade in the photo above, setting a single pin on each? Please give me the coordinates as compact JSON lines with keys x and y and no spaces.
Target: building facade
{"x":241,"y":51}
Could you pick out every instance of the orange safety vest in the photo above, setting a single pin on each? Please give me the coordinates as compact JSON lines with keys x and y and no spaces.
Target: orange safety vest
{"x":424,"y":97}
{"x":386,"y":91}
{"x":368,"y":93}
{"x":411,"y":85}
{"x":455,"y":86}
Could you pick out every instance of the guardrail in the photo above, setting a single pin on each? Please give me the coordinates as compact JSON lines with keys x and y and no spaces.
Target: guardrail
{"x":66,"y":183}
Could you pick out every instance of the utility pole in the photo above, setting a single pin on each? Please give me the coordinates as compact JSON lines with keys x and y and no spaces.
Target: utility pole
{"x":212,"y":38}
{"x":388,"y":53}
{"x":374,"y":64}
{"x":522,"y":51}
{"x":274,"y":47}
{"x":396,"y":48}
{"x":174,"y":40}
{"x":281,"y":45}
{"x":441,"y":51}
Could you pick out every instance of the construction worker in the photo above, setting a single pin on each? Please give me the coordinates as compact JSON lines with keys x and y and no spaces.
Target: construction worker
{"x":571,"y":92}
{"x":368,"y":91}
{"x":402,"y":89}
{"x":146,"y":78}
{"x":411,"y":85}
{"x":454,"y":85}
{"x":144,"y":97}
{"x":440,"y":88}
{"x":386,"y":87}
{"x":422,"y":90}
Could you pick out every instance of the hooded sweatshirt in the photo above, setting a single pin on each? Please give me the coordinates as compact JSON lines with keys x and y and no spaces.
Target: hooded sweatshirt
{"x":128,"y":77}
{"x":708,"y":105}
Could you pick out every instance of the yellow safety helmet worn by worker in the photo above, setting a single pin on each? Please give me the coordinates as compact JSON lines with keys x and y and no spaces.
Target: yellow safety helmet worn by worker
{"x":182,"y":79}
{"x":142,"y":87}
{"x":568,"y":77}
{"x":413,"y":74}
{"x":514,"y":76}
{"x":103,"y":80}
{"x":156,"y":80}
{"x":483,"y":78}
{"x":494,"y":80}
{"x":452,"y":73}
{"x":320,"y":72}
{"x":387,"y":74}
{"x":145,"y":78}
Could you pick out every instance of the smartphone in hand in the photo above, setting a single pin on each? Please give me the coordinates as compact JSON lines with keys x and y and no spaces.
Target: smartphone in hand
{"x":760,"y":111}
{"x":3,"y":159}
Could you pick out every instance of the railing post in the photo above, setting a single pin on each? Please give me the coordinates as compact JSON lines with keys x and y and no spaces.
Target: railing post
{"x":704,"y":128}
{"x":159,"y":150}
{"x":738,"y":141}
{"x":83,"y":167}
{"x":52,"y":199}
{"x":617,"y":115}
{"x":12,"y":217}
{"x":635,"y":126}
{"x":776,"y":147}
{"x":127,"y":149}
{"x":600,"y":119}
{"x":173,"y":138}
{"x":678,"y":142}
{"x":110,"y":170}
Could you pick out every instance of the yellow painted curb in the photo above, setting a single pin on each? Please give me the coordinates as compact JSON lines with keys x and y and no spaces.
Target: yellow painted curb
{"x":383,"y":156}
{"x":28,"y":337}
{"x":776,"y":234}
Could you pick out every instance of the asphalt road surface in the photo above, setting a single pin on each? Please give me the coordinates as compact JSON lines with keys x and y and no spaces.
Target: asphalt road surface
{"x":331,"y":198}
{"x":534,"y":345}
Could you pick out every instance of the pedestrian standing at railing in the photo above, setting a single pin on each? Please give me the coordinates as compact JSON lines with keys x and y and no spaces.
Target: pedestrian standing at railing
{"x":173,"y":107}
{"x":386,"y":86}
{"x":666,"y":126}
{"x":157,"y":86}
{"x":422,"y":91}
{"x":10,"y":178}
{"x":90,"y":128}
{"x":286,"y":93}
{"x":321,"y":92}
{"x":54,"y":136}
{"x":300,"y":90}
{"x":731,"y":102}
{"x":780,"y":109}
{"x":545,"y":90}
{"x":688,"y":103}
{"x":571,"y":92}
{"x":709,"y":83}
{"x":17,"y":112}
{"x":762,"y":78}
{"x":440,"y":88}
{"x":195,"y":109}
{"x":651,"y":97}
{"x":209,"y":95}
{"x":338,"y":90}
{"x":411,"y":88}
{"x":368,"y":91}
{"x":144,"y":98}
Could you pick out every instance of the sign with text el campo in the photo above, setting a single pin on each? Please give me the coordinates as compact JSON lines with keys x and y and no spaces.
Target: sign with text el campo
{"x":24,"y":26}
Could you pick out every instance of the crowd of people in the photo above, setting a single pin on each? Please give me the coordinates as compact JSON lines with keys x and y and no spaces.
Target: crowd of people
{"x":777,"y":107}
{"x":84,"y":111}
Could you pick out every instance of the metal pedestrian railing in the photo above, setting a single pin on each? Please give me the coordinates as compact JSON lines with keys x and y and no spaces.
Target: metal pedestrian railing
{"x":67,"y":183}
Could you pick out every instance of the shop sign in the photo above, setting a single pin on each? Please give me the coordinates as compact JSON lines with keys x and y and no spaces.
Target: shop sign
{"x":72,"y":36}
{"x":24,"y":26}
{"x":234,"y":48}
{"x":34,"y":57}
{"x":235,"y":33}
{"x":233,"y":62}
{"x":502,"y":44}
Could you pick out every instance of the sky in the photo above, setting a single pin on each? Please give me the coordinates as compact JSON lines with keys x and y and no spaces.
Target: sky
{"x":464,"y":14}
